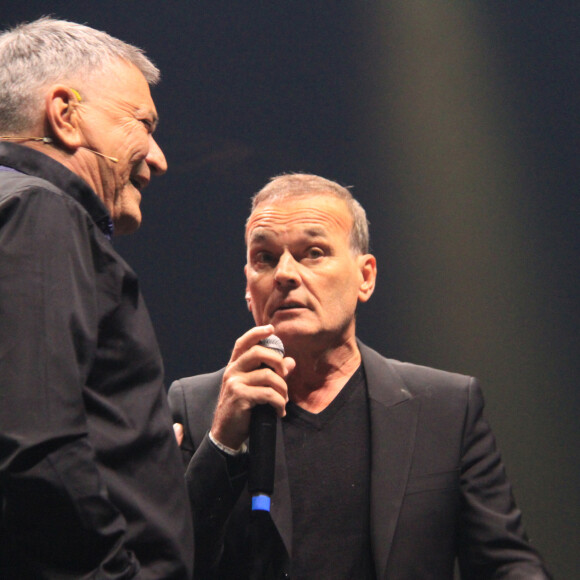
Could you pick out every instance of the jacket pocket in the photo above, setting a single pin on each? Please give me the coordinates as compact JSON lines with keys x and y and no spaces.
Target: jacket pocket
{"x":433,"y":482}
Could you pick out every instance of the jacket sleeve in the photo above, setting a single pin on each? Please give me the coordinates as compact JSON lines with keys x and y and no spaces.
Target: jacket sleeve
{"x":56,"y":516}
{"x":492,"y":542}
{"x":214,"y":480}
{"x":178,"y":407}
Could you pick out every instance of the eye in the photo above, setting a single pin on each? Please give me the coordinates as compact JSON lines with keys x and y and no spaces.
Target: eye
{"x":148,"y":125}
{"x":264,"y":258}
{"x":314,"y":253}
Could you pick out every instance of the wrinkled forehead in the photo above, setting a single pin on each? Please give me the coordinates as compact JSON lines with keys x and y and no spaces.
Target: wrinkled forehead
{"x":312,"y":215}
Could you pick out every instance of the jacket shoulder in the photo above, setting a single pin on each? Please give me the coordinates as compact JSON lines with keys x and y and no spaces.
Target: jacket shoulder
{"x":419,"y":378}
{"x":192,"y":401}
{"x":199,"y":391}
{"x":414,"y":379}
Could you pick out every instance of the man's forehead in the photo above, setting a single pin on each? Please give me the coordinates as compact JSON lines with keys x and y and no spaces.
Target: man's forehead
{"x":312,"y":216}
{"x":122,"y":81}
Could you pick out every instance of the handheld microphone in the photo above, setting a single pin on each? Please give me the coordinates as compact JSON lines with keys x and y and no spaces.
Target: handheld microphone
{"x":263,"y":445}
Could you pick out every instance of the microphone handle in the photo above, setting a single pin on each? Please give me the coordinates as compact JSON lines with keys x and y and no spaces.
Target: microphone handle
{"x":262,"y":452}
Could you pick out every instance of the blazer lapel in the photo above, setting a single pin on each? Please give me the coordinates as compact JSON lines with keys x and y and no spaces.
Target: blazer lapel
{"x":393,"y":417}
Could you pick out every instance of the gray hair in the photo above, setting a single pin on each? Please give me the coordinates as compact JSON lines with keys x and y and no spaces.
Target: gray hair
{"x":303,"y":184}
{"x":36,"y":54}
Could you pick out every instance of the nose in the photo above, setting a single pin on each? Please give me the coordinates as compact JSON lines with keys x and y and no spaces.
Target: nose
{"x":287,"y":270}
{"x":156,"y":158}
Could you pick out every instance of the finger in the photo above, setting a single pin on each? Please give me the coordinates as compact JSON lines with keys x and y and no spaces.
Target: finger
{"x":256,"y":358}
{"x":266,"y":377}
{"x":289,"y":365}
{"x":240,"y":388}
{"x":178,"y":430}
{"x":249,"y":339}
{"x":232,"y":415}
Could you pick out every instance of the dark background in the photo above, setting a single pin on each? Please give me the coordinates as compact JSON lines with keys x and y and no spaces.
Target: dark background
{"x":457,"y":124}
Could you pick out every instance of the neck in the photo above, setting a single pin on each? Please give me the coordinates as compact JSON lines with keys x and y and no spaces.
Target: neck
{"x":320,"y":376}
{"x":48,"y":148}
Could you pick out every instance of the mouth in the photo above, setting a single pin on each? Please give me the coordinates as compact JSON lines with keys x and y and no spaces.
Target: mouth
{"x":139,"y":183}
{"x":135,"y":184}
{"x":288,"y":307}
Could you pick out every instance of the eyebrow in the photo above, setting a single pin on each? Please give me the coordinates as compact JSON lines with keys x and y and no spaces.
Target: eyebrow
{"x":257,"y":237}
{"x":316,"y":232}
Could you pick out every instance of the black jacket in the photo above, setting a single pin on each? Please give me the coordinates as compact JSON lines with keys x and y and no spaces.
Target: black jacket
{"x":438,"y":485}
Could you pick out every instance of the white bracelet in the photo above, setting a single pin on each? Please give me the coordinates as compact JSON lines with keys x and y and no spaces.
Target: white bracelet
{"x":227,"y":450}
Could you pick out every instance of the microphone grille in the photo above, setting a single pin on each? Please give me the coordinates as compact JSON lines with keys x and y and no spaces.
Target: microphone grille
{"x":274,"y":343}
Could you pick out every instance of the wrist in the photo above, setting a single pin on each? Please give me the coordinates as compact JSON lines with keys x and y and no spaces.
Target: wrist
{"x":228,"y":450}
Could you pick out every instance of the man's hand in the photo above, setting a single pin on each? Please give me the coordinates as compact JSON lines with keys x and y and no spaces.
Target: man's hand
{"x":254,"y":375}
{"x":178,"y":430}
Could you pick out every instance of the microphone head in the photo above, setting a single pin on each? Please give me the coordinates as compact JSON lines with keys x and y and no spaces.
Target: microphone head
{"x":274,"y":343}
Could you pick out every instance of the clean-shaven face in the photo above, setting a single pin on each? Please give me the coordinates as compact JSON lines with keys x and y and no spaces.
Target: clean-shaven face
{"x":302,"y":275}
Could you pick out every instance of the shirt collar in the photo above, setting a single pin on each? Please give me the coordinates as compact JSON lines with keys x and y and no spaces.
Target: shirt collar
{"x":31,"y":162}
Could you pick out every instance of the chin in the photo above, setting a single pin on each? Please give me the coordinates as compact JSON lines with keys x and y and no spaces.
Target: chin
{"x":127,"y":224}
{"x":127,"y":210}
{"x":292,"y":331}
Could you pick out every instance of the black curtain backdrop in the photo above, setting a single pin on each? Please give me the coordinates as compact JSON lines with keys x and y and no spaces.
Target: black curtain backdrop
{"x":455,"y":122}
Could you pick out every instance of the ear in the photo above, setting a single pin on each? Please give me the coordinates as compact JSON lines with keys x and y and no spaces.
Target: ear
{"x":368,"y":269}
{"x":61,"y":116}
{"x":248,"y":295}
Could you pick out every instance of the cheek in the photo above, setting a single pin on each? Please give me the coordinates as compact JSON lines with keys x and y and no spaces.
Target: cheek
{"x":255,"y":291}
{"x":133,"y":140}
{"x":121,"y":174}
{"x":343,"y":291}
{"x":259,"y":299}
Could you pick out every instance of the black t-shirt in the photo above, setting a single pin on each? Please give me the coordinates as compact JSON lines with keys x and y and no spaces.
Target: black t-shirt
{"x":328,"y":461}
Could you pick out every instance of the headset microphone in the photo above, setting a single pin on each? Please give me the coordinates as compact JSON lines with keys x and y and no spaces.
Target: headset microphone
{"x":113,"y":159}
{"x":48,"y":141}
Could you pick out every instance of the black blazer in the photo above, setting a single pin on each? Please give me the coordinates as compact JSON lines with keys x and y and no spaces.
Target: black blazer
{"x":438,"y":486}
